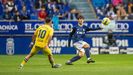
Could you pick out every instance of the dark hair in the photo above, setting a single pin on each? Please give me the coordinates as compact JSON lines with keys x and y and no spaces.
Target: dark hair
{"x":80,"y":17}
{"x":48,"y":20}
{"x":43,"y":6}
{"x":57,"y":7}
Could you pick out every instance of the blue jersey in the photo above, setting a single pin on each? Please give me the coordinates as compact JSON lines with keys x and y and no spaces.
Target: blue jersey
{"x":78,"y":33}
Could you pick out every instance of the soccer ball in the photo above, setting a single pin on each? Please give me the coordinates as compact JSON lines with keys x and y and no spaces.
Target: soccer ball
{"x":105,"y":21}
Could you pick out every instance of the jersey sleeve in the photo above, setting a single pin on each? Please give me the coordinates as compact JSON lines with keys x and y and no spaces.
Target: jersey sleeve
{"x":51,"y":32}
{"x":72,"y":31}
{"x":36,"y":31}
{"x":70,"y":35}
{"x":91,"y":29}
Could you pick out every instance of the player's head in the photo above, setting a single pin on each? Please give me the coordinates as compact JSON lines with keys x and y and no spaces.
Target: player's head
{"x":48,"y":21}
{"x":80,"y":19}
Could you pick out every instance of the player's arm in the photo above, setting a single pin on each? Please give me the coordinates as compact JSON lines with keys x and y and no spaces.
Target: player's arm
{"x":50,"y":36}
{"x":91,"y":29}
{"x":70,"y":36}
{"x":33,"y":38}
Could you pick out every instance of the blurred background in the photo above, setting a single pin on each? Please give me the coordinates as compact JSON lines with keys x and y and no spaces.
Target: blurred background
{"x":65,"y":9}
{"x":20,"y":18}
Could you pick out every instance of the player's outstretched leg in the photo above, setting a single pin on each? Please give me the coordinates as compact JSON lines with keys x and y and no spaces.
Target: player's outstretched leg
{"x":51,"y":60}
{"x":34,"y":50}
{"x":87,"y":52}
{"x":69,"y":62}
{"x":75,"y":58}
{"x":25,"y":60}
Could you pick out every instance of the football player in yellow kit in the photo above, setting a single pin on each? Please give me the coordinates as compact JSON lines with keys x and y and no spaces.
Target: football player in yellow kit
{"x":40,"y":41}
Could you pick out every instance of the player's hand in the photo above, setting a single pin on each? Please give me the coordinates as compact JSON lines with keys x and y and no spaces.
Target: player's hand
{"x":31,"y":44}
{"x":46,"y":46}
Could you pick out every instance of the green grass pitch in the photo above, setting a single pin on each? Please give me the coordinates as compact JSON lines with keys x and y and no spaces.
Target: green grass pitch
{"x":39,"y":65}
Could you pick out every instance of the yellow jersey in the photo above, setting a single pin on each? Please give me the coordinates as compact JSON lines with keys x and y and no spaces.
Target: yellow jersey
{"x":42,"y":34}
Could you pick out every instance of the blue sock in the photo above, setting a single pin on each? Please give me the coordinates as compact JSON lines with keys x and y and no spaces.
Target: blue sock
{"x":75,"y":58}
{"x":87,"y":52}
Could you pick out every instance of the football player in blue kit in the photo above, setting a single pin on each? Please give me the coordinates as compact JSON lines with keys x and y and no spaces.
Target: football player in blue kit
{"x":78,"y":34}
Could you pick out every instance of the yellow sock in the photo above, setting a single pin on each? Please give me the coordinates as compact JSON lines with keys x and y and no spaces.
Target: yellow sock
{"x":24,"y":61}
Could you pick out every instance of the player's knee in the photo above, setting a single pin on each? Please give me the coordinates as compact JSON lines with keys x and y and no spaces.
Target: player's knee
{"x":86,"y":46}
{"x":50,"y":55}
{"x":81,"y":54}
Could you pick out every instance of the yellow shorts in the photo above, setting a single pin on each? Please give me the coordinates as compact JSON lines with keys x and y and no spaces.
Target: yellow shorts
{"x":35,"y":50}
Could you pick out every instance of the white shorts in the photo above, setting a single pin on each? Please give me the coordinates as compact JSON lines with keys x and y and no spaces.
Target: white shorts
{"x":79,"y":45}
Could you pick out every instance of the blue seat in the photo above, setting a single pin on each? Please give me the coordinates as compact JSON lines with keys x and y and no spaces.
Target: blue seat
{"x":33,"y":17}
{"x":1,"y":10}
{"x":99,"y":3}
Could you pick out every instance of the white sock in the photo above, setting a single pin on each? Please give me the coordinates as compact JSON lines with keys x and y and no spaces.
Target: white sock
{"x":21,"y":65}
{"x":88,"y":58}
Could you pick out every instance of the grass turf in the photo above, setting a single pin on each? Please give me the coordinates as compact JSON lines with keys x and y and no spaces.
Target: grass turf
{"x":39,"y":65}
